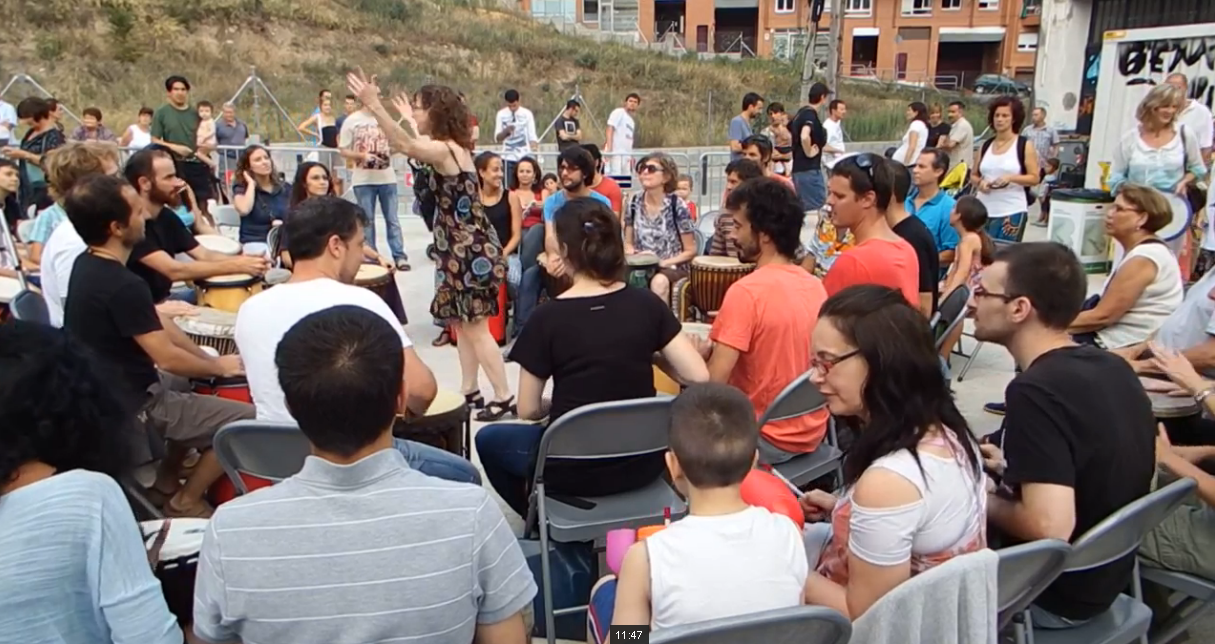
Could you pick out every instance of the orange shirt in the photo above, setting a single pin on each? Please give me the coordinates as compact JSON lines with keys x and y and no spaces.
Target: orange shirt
{"x":610,"y":189}
{"x":767,"y":317}
{"x":877,"y":261}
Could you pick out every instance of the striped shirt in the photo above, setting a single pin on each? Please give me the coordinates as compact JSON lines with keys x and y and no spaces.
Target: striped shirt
{"x":367,"y":552}
{"x":73,"y":567}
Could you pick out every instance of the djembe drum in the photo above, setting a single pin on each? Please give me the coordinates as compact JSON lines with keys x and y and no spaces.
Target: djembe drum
{"x":446,"y":425}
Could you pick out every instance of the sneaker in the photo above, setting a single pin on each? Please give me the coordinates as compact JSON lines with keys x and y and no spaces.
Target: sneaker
{"x":403,"y":264}
{"x":996,"y":408}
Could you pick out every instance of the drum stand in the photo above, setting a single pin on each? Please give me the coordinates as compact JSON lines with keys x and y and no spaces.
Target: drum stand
{"x":255,"y":84}
{"x":8,"y":246}
{"x":27,"y":79}
{"x":590,"y":115}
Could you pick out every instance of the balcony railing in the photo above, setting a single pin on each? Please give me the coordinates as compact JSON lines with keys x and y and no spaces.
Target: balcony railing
{"x":1031,"y":8}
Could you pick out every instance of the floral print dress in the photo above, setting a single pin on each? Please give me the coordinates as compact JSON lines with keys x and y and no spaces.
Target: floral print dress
{"x":469,"y":266}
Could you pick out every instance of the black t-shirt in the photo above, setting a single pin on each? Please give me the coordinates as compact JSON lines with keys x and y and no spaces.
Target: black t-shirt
{"x":807,"y":116}
{"x":569,"y":126}
{"x":167,"y":233}
{"x":935,"y":132}
{"x":598,"y":349}
{"x":916,"y":233}
{"x":1078,"y":417}
{"x":106,"y":308}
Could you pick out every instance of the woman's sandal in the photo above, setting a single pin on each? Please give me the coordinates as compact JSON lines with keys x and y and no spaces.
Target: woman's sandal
{"x":443,"y":340}
{"x":497,"y":409}
{"x":474,"y":399}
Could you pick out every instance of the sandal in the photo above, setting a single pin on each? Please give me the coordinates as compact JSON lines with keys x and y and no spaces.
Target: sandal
{"x":443,"y":340}
{"x":474,"y":399}
{"x":201,"y":510}
{"x":497,"y":409}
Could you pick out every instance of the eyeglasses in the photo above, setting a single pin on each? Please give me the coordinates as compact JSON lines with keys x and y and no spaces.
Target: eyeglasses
{"x":982,"y":292}
{"x":648,"y":168}
{"x":1120,"y":208}
{"x":823,"y":366}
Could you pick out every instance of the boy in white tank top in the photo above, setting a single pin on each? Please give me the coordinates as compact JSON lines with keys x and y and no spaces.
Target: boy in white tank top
{"x":725,"y":558}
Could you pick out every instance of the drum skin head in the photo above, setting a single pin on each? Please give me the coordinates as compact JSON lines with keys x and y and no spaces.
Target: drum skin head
{"x":641,"y":259}
{"x":714,"y":261}
{"x":371,"y":274}
{"x":234,"y":280}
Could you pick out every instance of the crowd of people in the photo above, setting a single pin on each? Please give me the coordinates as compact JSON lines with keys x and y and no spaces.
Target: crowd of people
{"x":379,"y":538}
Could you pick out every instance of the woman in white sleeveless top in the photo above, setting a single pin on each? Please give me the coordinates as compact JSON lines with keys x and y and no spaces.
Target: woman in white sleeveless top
{"x":998,"y":173}
{"x":1145,"y":287}
{"x":138,"y":135}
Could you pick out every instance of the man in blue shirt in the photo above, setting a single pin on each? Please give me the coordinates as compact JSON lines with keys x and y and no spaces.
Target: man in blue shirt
{"x":930,"y":204}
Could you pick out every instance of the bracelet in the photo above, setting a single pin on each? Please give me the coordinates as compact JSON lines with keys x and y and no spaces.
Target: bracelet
{"x":1203,"y":395}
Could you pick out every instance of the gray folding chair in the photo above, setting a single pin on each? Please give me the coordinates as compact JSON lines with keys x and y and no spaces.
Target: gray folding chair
{"x":29,"y":306}
{"x":1117,"y":536}
{"x":266,"y":450}
{"x":594,"y":432}
{"x":1199,"y":599}
{"x":1025,"y":571}
{"x":796,"y":625}
{"x":802,"y":397}
{"x":949,"y":315}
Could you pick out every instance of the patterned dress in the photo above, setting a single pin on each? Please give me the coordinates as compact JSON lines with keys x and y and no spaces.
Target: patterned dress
{"x":469,"y":265}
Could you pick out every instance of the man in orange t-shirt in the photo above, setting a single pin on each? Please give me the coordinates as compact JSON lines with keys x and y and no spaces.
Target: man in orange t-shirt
{"x":604,"y":184}
{"x":859,"y":192}
{"x":760,"y":341}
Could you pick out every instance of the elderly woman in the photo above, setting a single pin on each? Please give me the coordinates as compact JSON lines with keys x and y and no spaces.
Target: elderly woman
{"x":1145,"y":286}
{"x":1159,"y":152}
{"x":657,"y":221}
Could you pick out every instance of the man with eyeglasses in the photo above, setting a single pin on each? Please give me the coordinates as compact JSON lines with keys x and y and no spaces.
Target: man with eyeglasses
{"x":1078,"y":441}
{"x":859,"y":193}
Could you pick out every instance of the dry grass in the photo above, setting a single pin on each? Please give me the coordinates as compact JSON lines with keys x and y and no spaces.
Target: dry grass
{"x":115,"y":53}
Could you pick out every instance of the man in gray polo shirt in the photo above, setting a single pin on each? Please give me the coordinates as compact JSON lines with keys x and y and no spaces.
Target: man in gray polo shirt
{"x":357,"y":547}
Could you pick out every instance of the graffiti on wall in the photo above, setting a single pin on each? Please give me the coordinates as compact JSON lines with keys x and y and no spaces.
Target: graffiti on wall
{"x":1150,"y":62}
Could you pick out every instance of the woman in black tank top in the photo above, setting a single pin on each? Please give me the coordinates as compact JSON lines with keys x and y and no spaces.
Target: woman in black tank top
{"x":502,"y":209}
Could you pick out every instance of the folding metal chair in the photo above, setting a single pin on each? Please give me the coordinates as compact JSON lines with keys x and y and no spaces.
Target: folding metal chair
{"x":1116,"y":537}
{"x":797,"y":625}
{"x":29,"y":306}
{"x":594,"y":432}
{"x":1025,"y":571}
{"x":226,"y":216}
{"x":264,"y":450}
{"x":799,"y":398}
{"x":950,"y":313}
{"x":1198,"y":602}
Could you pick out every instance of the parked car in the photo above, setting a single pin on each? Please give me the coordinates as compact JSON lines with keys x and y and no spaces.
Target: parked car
{"x":1001,"y":85}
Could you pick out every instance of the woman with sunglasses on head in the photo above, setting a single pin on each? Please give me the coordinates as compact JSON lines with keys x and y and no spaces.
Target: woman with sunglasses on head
{"x":75,"y":568}
{"x":468,"y":253}
{"x":596,"y":341}
{"x":914,"y":489}
{"x":260,"y":197}
{"x":312,"y":179}
{"x":657,"y":221}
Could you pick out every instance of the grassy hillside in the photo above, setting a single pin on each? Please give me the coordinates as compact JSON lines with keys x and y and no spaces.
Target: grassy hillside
{"x":114,"y":54}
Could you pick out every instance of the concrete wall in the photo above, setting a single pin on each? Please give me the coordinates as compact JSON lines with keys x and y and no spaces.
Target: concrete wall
{"x":1059,"y":71}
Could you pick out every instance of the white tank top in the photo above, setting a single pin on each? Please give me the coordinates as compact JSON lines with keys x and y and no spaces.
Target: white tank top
{"x":758,"y":556}
{"x":1161,"y":297}
{"x":1010,"y":199}
{"x":139,"y":138}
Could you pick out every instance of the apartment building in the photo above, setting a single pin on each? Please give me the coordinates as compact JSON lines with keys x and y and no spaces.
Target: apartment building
{"x":945,"y":42}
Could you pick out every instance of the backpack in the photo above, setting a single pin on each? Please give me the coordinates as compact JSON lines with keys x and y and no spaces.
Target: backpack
{"x":1021,"y":143}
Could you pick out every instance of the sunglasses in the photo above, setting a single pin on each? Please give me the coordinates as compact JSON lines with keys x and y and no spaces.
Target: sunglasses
{"x":648,"y":168}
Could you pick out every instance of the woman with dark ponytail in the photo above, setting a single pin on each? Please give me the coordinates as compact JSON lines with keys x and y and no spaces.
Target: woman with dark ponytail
{"x":596,"y":341}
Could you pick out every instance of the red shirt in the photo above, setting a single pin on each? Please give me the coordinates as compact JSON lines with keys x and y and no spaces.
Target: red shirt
{"x":877,"y":261}
{"x":610,"y":189}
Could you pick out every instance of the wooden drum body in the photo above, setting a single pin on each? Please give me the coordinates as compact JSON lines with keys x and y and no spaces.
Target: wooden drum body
{"x":642,"y":269}
{"x":709,"y":280}
{"x":447,"y":425}
{"x":1166,"y":406}
{"x":211,"y":328}
{"x":374,"y":278}
{"x":227,"y":292}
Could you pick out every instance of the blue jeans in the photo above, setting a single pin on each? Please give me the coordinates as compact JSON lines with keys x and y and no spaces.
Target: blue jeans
{"x":187,"y":295}
{"x":528,"y":296}
{"x":506,"y":456}
{"x":435,"y":462}
{"x":387,"y":195}
{"x":531,"y":245}
{"x":811,"y":188}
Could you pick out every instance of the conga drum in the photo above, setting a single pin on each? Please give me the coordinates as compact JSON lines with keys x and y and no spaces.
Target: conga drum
{"x":231,"y":388}
{"x":1166,"y":406}
{"x":642,"y":268}
{"x":446,"y":425}
{"x":178,"y":561}
{"x":276,"y":276}
{"x":9,"y":288}
{"x":374,"y":278}
{"x":210,"y":328}
{"x":709,"y":280}
{"x":219,"y":244}
{"x":1176,"y":233}
{"x":227,"y":292}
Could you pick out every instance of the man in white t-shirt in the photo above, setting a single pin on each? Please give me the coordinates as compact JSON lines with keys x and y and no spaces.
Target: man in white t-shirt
{"x":1196,"y":117}
{"x":325,"y":239}
{"x":363,"y":143}
{"x":515,"y":129}
{"x":619,"y":137}
{"x":960,"y":144}
{"x":834,"y":126}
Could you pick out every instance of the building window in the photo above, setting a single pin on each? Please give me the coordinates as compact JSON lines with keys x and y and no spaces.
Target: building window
{"x":1027,"y":41}
{"x":784,"y":6}
{"x":989,"y":5}
{"x":951,"y":5}
{"x":858,"y":7}
{"x":917,"y":7}
{"x":590,"y":10}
